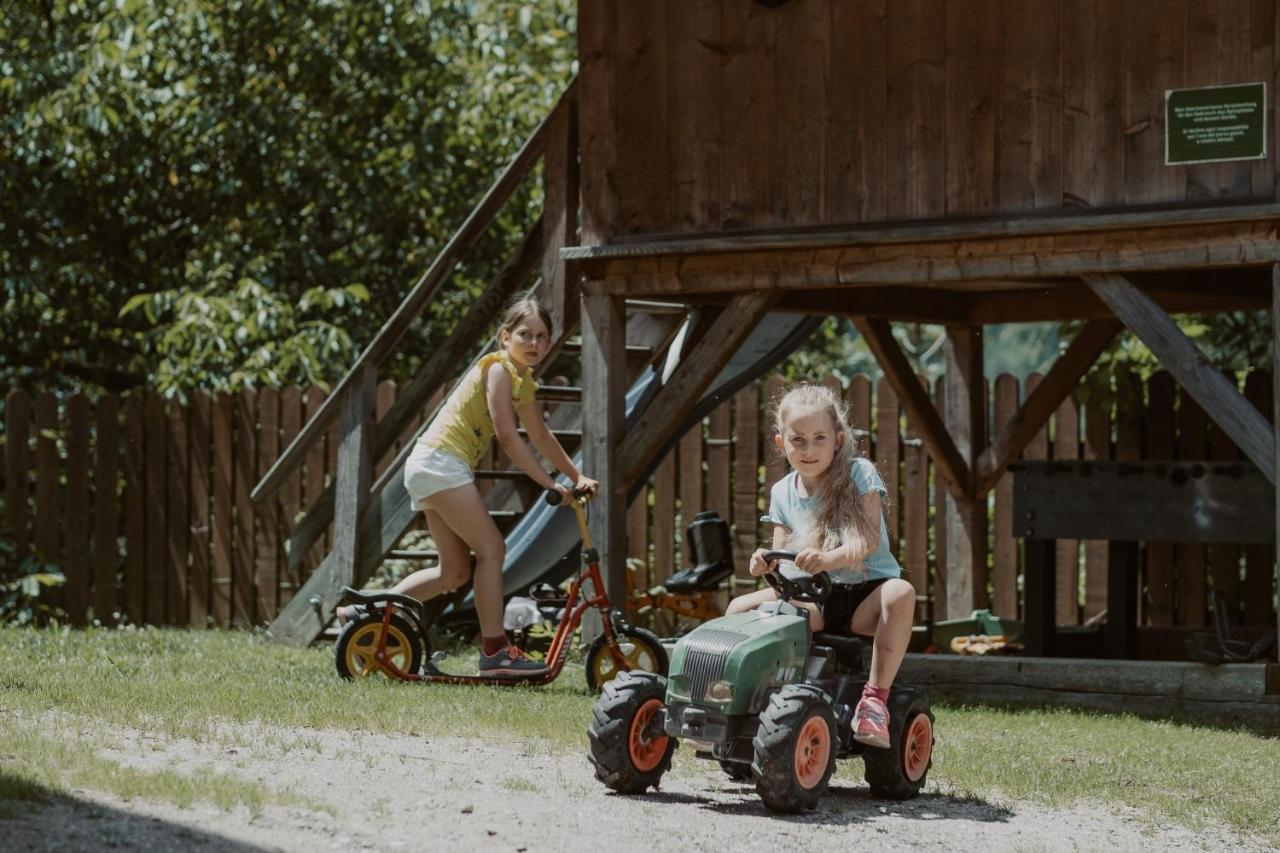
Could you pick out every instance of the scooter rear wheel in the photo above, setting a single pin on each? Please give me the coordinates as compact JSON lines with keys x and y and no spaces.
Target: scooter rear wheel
{"x":641,"y":649}
{"x":358,"y":643}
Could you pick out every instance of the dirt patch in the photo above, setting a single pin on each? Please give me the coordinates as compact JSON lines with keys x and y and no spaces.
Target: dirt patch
{"x":413,"y":793}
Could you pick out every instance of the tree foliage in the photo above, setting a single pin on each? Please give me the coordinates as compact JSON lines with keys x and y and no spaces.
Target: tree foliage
{"x":215,"y":194}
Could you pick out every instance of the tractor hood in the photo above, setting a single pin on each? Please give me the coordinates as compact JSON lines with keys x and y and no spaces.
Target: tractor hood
{"x":733,"y":663}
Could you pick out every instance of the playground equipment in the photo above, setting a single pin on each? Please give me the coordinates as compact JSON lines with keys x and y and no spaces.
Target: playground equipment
{"x":771,"y":701}
{"x":691,"y":592}
{"x":390,"y":635}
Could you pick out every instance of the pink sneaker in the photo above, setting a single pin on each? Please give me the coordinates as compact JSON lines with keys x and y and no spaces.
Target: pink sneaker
{"x":871,"y":723}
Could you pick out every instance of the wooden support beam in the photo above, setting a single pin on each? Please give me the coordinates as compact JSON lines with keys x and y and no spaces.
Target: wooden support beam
{"x":964,"y":413}
{"x":1042,"y":402}
{"x":944,"y":264}
{"x":1213,"y":391}
{"x":951,"y":465}
{"x":696,"y":371}
{"x":306,"y":614}
{"x":559,"y":287}
{"x":604,"y":384}
{"x":1275,"y":397}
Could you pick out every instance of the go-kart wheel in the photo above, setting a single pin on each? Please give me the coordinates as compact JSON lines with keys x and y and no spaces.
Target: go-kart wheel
{"x":736,"y":770}
{"x":358,"y":642}
{"x":795,"y":749}
{"x":641,"y":649}
{"x":629,"y":756}
{"x":899,"y":772}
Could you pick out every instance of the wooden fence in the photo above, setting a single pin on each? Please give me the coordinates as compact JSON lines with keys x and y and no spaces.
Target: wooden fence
{"x":144,"y":502}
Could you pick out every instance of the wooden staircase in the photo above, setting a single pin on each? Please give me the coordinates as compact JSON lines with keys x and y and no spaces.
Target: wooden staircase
{"x":371,"y":515}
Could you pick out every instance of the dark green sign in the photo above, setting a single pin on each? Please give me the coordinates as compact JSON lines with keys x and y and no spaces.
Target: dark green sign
{"x":1215,"y":124}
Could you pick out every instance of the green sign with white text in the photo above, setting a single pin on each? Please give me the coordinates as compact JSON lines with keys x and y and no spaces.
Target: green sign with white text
{"x":1215,"y":124}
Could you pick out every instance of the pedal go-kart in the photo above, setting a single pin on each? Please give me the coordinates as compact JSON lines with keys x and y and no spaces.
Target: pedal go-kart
{"x":768,"y":699}
{"x":389,"y":636}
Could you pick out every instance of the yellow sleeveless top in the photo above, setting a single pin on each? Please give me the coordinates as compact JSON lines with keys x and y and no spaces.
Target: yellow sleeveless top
{"x":464,"y":426}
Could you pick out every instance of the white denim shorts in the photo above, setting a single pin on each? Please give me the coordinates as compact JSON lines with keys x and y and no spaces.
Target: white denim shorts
{"x":430,"y":470}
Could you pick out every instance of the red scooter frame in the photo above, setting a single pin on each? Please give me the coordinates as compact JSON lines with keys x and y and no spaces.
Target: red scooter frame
{"x":400,"y":616}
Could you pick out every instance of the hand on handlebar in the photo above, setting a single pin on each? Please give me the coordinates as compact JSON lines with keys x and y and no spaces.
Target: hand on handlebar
{"x":586,"y":486}
{"x":758,"y":566}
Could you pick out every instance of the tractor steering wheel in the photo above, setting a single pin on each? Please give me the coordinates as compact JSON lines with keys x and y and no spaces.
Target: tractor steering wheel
{"x":813,"y":589}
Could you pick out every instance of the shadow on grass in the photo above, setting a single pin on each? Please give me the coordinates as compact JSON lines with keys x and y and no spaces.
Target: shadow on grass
{"x":34,"y":817}
{"x":843,"y":805}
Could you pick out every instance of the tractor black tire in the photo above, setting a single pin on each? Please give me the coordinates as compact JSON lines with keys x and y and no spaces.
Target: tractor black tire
{"x":899,"y":772}
{"x":353,"y":651}
{"x":737,"y":771}
{"x":795,"y":749}
{"x":625,"y":760}
{"x":648,"y":655}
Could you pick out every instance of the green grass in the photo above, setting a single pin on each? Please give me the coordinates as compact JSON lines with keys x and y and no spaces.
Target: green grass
{"x":177,"y":683}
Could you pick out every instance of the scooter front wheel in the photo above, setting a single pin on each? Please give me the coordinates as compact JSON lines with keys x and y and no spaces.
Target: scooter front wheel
{"x":358,"y":643}
{"x":641,"y":650}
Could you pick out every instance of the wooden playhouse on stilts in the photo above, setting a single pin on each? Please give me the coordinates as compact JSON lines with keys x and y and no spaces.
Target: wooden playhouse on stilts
{"x":922,"y":161}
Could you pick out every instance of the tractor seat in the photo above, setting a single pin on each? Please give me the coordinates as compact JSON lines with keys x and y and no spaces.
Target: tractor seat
{"x":848,"y":649}
{"x":701,"y":578}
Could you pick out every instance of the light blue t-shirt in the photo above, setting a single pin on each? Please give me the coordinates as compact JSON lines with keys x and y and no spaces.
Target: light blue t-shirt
{"x":796,"y":513}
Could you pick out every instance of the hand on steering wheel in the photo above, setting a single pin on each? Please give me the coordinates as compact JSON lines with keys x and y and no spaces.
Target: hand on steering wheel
{"x":813,"y":589}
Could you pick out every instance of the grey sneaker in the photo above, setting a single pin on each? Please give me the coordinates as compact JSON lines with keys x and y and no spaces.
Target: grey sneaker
{"x":510,"y":662}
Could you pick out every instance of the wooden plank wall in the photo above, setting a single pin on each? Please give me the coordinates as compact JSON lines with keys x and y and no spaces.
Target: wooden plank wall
{"x":709,"y":116}
{"x":143,"y":502}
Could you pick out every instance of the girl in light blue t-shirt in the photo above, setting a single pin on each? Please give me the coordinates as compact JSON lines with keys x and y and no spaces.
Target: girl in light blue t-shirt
{"x":829,"y":510}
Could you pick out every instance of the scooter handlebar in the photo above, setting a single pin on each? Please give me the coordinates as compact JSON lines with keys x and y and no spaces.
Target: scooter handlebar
{"x":555,"y":496}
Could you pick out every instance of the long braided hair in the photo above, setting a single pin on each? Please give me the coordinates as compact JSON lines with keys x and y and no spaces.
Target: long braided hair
{"x":840,"y":520}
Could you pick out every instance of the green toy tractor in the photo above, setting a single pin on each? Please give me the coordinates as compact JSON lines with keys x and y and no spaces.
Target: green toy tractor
{"x":766,"y":698}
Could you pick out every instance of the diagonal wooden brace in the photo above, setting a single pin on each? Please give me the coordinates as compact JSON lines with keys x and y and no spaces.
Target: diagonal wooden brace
{"x":697,"y":371}
{"x":1042,"y":402}
{"x":1181,"y":357}
{"x":951,"y":465}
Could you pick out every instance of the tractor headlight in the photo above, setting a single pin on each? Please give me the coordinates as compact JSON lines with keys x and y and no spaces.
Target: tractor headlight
{"x":720,"y":691}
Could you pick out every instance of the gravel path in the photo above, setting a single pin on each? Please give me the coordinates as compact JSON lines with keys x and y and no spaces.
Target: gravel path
{"x":400,"y":792}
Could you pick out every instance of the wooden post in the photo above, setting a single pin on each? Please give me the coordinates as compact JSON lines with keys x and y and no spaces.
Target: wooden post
{"x":1039,"y":629}
{"x":1275,"y":427}
{"x":355,"y":468}
{"x":964,"y":412}
{"x":604,"y":335}
{"x":1121,"y":631}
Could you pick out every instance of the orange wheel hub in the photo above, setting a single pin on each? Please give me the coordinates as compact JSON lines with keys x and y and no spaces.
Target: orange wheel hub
{"x":917,"y":747}
{"x":646,"y":752}
{"x":813,"y":752}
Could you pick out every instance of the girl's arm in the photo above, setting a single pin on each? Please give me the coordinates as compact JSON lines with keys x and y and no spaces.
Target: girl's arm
{"x":548,"y":445}
{"x":758,"y":566}
{"x":850,"y":553}
{"x":498,"y":396}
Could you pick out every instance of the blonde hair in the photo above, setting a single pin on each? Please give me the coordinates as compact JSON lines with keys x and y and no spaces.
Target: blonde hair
{"x":520,"y":310}
{"x":840,"y":519}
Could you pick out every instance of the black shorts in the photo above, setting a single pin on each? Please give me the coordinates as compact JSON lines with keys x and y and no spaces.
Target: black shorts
{"x":837,"y":610}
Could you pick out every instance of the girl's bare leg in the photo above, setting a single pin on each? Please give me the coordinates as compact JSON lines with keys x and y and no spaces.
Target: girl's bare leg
{"x":886,"y":614}
{"x":452,"y":570}
{"x":751,"y":601}
{"x":462,"y":511}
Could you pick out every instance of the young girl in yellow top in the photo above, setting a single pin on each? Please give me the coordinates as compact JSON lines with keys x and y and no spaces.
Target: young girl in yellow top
{"x":829,"y":510}
{"x":440,"y":476}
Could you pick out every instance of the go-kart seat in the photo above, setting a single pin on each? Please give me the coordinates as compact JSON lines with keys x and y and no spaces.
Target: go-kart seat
{"x":711,"y":551}
{"x":848,"y":649}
